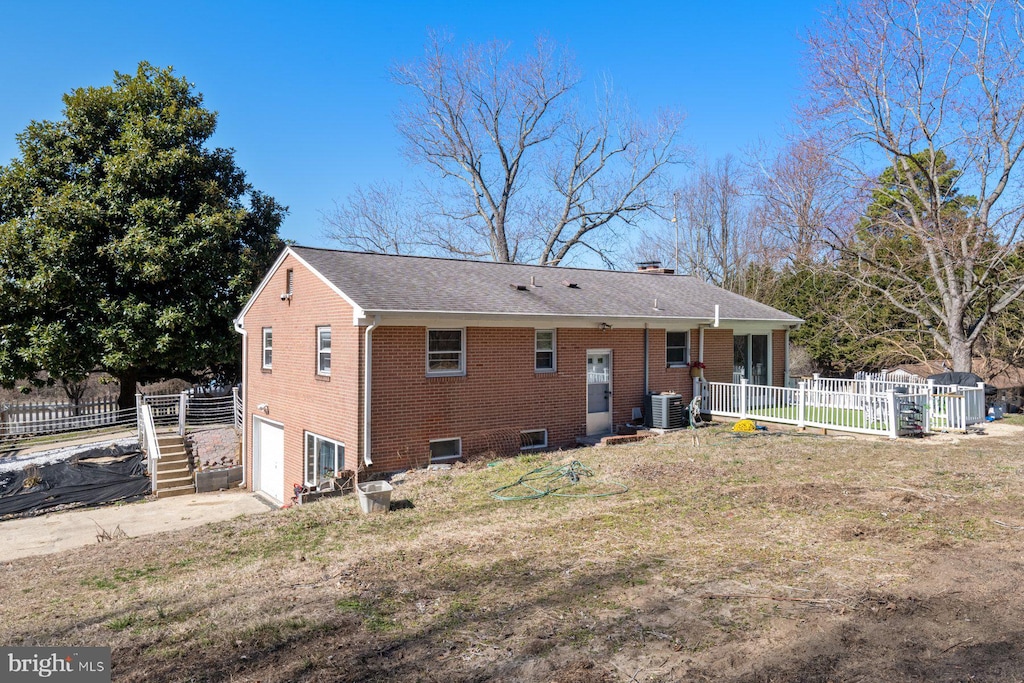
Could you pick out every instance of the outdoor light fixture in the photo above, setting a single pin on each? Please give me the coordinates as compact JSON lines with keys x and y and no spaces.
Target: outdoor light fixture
{"x":263,"y":407}
{"x":604,"y":326}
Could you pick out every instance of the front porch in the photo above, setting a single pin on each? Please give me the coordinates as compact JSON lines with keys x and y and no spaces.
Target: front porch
{"x":864,"y":406}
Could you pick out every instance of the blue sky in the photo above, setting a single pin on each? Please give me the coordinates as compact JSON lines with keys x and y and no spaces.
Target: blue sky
{"x":303,"y":92}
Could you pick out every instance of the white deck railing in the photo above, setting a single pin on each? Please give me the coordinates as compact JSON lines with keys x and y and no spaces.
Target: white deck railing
{"x":860,"y":406}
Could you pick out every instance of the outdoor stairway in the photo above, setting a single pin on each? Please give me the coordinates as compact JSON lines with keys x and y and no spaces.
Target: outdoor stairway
{"x":173,"y":475}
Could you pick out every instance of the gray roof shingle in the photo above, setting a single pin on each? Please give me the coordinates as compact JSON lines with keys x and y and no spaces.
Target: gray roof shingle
{"x":380,"y":283}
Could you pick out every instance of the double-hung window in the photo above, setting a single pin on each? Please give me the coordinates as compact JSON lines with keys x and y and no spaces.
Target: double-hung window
{"x":268,"y":347}
{"x":323,"y":350}
{"x":677,"y":349}
{"x":324,"y":458}
{"x":544,"y":350}
{"x":446,"y":352}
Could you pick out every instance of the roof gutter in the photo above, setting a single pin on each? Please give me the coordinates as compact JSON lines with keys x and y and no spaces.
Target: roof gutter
{"x":368,"y":387}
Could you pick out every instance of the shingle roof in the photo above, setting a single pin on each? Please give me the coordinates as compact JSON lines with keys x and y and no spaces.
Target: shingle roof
{"x":380,"y":283}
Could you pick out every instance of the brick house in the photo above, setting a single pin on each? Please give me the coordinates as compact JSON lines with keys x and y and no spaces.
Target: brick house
{"x":456,"y":357}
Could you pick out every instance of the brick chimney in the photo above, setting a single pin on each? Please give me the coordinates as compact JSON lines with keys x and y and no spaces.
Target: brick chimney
{"x":653,"y":267}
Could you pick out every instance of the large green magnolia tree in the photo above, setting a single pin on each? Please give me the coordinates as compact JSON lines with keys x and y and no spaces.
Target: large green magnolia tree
{"x":125,"y":243}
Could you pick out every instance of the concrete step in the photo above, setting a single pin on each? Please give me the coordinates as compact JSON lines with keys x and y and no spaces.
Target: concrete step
{"x":173,"y":453}
{"x":173,"y":464}
{"x":171,"y":474}
{"x":169,"y":439}
{"x":176,"y":491}
{"x":172,"y":482}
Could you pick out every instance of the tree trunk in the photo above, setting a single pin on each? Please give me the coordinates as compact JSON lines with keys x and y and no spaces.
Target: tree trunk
{"x":127,"y":380}
{"x":963,"y":352}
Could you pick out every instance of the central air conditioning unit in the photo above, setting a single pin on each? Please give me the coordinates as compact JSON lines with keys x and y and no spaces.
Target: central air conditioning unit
{"x":667,"y":411}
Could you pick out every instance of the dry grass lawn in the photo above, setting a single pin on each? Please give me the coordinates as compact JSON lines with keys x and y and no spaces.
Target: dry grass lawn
{"x":780,"y":557}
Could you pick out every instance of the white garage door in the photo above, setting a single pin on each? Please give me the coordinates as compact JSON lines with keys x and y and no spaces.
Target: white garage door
{"x":269,"y":457}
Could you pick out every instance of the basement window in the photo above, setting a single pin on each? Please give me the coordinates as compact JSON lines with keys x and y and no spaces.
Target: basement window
{"x":677,"y":349}
{"x":324,"y":458}
{"x":445,"y":450}
{"x":532,"y":439}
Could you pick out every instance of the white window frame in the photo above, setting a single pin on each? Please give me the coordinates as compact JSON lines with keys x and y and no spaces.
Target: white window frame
{"x":321,"y":353}
{"x":462,"y":353}
{"x":268,"y":348}
{"x":553,"y":351}
{"x":311,"y":442}
{"x":535,"y":446}
{"x":447,"y":458}
{"x":685,"y":347}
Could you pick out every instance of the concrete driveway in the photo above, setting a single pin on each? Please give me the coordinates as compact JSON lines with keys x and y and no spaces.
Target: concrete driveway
{"x":59,"y":531}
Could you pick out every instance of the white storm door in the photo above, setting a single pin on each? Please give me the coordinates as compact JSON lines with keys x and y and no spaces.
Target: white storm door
{"x":599,"y":392}
{"x":269,"y":457}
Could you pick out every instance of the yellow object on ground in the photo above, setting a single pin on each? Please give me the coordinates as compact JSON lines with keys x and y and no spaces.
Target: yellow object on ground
{"x":744,"y":426}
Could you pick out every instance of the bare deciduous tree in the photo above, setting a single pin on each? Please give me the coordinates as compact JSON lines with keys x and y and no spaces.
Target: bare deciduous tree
{"x":911,"y":84}
{"x":799,"y":196}
{"x":705,"y":230}
{"x":376,"y":219}
{"x":519,"y":170}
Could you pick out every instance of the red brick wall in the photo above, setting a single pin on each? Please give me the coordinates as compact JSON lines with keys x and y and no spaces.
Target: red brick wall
{"x":718,"y":354}
{"x":295,"y":394}
{"x":663,"y":378}
{"x":779,"y":358}
{"x":500,"y":394}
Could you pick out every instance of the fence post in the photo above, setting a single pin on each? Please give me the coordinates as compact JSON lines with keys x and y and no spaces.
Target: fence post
{"x":236,"y":412}
{"x":182,"y":408}
{"x":138,"y":414}
{"x":801,"y":405}
{"x":743,"y":397}
{"x":894,"y":415}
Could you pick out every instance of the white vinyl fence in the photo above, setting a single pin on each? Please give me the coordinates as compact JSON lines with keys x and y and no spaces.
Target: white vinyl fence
{"x":862,"y":406}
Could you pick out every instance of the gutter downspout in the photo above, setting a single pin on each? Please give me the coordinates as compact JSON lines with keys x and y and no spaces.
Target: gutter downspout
{"x":647,"y":355}
{"x":240,"y":329}
{"x":368,"y":387}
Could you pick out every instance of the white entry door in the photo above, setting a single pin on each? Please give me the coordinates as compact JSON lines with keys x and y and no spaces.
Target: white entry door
{"x":268,"y":456}
{"x":599,"y":392}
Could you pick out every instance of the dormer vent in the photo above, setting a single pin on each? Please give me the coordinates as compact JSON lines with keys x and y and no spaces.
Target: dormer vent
{"x":519,"y":288}
{"x":570,"y":285}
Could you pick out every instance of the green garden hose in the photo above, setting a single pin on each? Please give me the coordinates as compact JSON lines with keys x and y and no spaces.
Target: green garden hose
{"x":550,"y":480}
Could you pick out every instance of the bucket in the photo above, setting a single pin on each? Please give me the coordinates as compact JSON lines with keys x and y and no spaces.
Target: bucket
{"x":374,"y":496}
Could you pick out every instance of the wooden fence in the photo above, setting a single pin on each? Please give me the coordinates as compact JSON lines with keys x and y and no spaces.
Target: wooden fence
{"x":48,"y":418}
{"x":38,"y":419}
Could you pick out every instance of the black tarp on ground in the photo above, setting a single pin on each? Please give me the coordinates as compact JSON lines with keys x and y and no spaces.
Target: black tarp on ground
{"x":961,"y":379}
{"x":80,"y":480}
